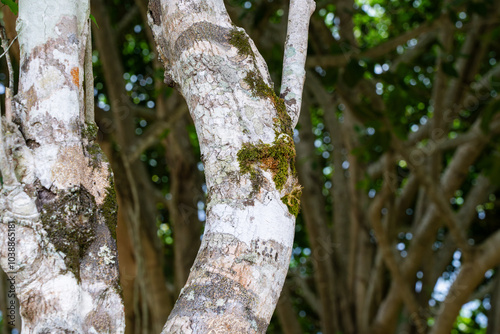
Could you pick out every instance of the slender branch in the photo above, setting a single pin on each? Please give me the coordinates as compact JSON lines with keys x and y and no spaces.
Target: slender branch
{"x":376,"y":51}
{"x":470,"y":276}
{"x":295,"y":55}
{"x":8,"y":90}
{"x":484,"y":84}
{"x":487,"y":289}
{"x":153,"y":133}
{"x":306,"y":292}
{"x":437,"y":196}
{"x":127,"y":19}
{"x":476,"y":196}
{"x":387,"y":253}
{"x":141,"y":111}
{"x":423,"y":45}
{"x":89,"y":79}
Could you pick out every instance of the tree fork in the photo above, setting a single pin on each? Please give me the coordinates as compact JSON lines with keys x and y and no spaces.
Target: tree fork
{"x":238,"y":274}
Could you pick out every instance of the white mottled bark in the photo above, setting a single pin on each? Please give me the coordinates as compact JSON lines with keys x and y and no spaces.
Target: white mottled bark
{"x":58,"y":204}
{"x":245,"y":138}
{"x":294,"y":58}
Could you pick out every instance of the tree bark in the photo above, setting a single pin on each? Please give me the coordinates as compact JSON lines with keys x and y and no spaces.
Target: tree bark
{"x":245,"y":134}
{"x":59,"y":216}
{"x":151,"y":300}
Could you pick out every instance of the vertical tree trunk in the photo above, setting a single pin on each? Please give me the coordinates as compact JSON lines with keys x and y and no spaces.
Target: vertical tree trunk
{"x":151,"y":300}
{"x":59,"y":216}
{"x":247,"y":148}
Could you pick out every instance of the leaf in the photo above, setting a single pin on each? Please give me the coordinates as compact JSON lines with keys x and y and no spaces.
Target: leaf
{"x":92,"y":17}
{"x":12,"y":5}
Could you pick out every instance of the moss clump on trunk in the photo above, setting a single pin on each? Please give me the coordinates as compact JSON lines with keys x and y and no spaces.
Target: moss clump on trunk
{"x":292,"y":200}
{"x":239,"y":40}
{"x":278,"y":158}
{"x":259,"y":88}
{"x":109,"y":209}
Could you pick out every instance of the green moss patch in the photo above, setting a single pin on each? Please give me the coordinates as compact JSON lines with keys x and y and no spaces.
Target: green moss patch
{"x":259,"y":88}
{"x":239,"y":40}
{"x":109,"y":210}
{"x":278,"y":158}
{"x":292,"y":200}
{"x":89,"y":131}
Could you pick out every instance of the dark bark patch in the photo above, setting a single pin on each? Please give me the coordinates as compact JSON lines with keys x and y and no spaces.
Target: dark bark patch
{"x":224,"y":297}
{"x":200,"y":31}
{"x":32,"y":144}
{"x":44,"y":196}
{"x":155,"y":11}
{"x":99,"y":321}
{"x":70,"y":220}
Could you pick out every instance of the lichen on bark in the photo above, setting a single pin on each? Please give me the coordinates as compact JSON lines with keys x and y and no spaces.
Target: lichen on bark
{"x":69,"y":218}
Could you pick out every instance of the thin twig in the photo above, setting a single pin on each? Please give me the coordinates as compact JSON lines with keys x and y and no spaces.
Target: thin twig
{"x":8,"y":90}
{"x":12,"y":42}
{"x":89,"y":79}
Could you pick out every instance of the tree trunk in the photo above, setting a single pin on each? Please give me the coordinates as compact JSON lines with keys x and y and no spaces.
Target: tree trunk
{"x":59,"y":216}
{"x":151,"y":300}
{"x":245,"y":134}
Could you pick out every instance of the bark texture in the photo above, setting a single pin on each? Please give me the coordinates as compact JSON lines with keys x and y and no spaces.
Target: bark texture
{"x":244,"y":131}
{"x":57,"y":197}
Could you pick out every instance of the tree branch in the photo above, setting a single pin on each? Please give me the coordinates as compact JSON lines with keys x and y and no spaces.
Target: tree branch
{"x":388,"y":254}
{"x":437,"y":196}
{"x":470,"y":276}
{"x":89,"y":80}
{"x":153,"y":133}
{"x":127,"y":19}
{"x":376,"y":51}
{"x":295,"y":55}
{"x":9,"y":89}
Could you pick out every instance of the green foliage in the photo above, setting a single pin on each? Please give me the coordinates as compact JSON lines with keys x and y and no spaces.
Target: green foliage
{"x":467,"y":322}
{"x":92,"y":17}
{"x":14,"y":8}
